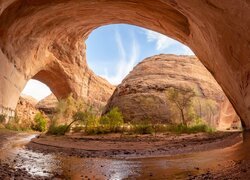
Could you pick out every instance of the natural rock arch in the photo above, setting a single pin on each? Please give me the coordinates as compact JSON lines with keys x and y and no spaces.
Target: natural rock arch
{"x":56,"y":81}
{"x":34,"y":33}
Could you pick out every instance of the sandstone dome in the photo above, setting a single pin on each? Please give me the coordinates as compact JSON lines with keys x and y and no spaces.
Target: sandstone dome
{"x":142,"y":94}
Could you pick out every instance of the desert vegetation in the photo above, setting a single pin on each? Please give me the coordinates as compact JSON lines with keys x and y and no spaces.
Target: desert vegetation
{"x":39,"y":123}
{"x":76,"y":115}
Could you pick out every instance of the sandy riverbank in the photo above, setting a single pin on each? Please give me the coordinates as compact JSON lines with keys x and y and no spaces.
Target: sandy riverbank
{"x":49,"y":151}
{"x":132,"y":146}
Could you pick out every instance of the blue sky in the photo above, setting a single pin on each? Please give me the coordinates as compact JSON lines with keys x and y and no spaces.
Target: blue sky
{"x":113,"y":51}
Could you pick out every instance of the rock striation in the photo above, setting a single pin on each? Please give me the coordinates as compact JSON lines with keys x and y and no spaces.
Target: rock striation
{"x":46,"y":40}
{"x":26,"y":110}
{"x":48,"y":104}
{"x":142,"y":94}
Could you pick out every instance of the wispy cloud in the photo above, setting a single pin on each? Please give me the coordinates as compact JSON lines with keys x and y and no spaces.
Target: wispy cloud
{"x":127,"y":59}
{"x":163,"y":42}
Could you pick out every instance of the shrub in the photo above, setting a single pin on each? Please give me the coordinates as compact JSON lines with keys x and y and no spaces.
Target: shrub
{"x":58,"y":130}
{"x":40,"y":122}
{"x":143,"y":129}
{"x":78,"y":128}
{"x":2,"y":118}
{"x":79,"y":116}
{"x":113,"y":119}
{"x":12,"y":126}
{"x":180,"y":128}
{"x":67,"y":107}
{"x":97,"y":130}
{"x":160,"y":128}
{"x":15,"y":125}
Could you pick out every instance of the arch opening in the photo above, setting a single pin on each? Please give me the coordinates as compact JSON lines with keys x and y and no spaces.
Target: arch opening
{"x":185,"y":21}
{"x":117,"y":52}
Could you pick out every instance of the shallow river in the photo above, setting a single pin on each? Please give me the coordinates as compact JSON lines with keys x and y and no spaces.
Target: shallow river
{"x":170,"y":167}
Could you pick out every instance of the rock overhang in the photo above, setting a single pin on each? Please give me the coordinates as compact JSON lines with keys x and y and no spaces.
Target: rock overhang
{"x":35,"y":33}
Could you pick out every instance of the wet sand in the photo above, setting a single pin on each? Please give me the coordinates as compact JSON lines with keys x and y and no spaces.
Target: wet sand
{"x":132,"y":146}
{"x":18,"y":161}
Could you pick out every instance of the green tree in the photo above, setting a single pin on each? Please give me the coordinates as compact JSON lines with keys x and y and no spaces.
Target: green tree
{"x":87,"y":117}
{"x":66,"y":108}
{"x":40,"y":122}
{"x":113,"y":119}
{"x":182,"y":99}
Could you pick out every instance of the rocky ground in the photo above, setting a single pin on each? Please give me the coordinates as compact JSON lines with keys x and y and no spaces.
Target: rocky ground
{"x":130,"y":146}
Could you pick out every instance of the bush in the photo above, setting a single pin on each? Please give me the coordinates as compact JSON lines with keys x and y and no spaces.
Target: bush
{"x":143,"y":129}
{"x":97,"y":130}
{"x":78,"y":128}
{"x":2,"y":118}
{"x":58,"y":130}
{"x":180,"y":128}
{"x":112,"y":120}
{"x":160,"y":128}
{"x":15,"y":125}
{"x":40,"y":123}
{"x":12,"y":126}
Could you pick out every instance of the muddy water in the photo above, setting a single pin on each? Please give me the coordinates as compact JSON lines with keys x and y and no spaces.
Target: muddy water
{"x":68,"y":167}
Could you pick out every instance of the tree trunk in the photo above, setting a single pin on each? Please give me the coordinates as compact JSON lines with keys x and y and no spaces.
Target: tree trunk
{"x":69,"y":126}
{"x":183,"y":117}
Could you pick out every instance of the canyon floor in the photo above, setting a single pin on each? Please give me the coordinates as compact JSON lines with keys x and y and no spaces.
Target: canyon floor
{"x":166,"y":156}
{"x":132,"y":146}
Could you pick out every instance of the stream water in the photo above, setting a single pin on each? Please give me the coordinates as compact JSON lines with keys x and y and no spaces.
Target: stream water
{"x":169,"y":167}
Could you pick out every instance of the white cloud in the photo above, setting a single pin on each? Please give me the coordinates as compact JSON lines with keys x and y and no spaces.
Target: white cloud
{"x":126,"y":61}
{"x":163,"y":42}
{"x":187,"y":50}
{"x":36,"y":89}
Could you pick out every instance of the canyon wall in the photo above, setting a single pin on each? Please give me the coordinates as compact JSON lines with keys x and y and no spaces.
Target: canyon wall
{"x":40,"y":37}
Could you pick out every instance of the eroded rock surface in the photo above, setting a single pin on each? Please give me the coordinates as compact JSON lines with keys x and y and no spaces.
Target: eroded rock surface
{"x":47,"y":38}
{"x":26,"y":110}
{"x":48,"y":104}
{"x":142,"y":94}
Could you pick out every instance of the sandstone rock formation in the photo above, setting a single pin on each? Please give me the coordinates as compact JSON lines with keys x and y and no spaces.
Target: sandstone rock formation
{"x":26,"y":110}
{"x":45,"y":39}
{"x":142,"y":94}
{"x":48,"y":104}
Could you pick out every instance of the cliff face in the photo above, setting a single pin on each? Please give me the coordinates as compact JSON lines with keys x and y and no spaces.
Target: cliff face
{"x":26,"y":110}
{"x":142,"y":94}
{"x":48,"y":104}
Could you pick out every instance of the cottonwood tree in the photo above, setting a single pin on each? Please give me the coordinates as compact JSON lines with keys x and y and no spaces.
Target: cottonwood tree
{"x":182,"y":99}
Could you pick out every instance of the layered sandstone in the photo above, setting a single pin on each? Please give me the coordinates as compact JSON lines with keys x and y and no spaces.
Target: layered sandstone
{"x":142,"y":94}
{"x":46,"y":38}
{"x":26,"y":110}
{"x":48,"y":104}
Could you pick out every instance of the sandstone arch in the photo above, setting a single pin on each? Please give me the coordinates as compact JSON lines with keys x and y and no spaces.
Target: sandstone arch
{"x":56,"y":81}
{"x":34,"y":33}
